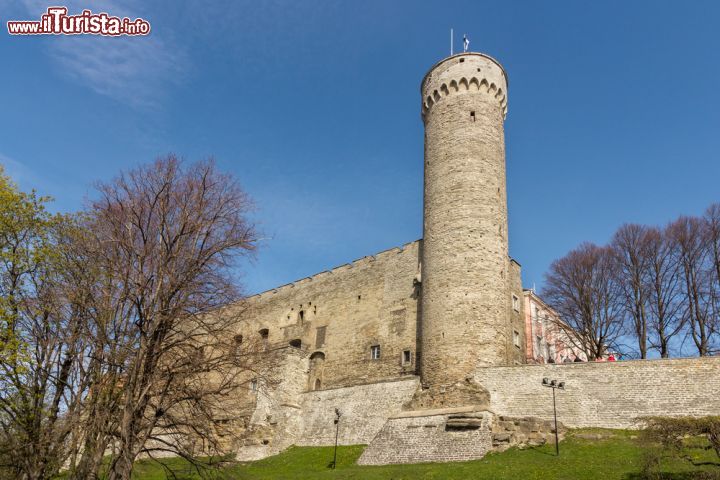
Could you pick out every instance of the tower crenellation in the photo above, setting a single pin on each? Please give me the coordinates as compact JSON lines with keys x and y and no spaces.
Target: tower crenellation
{"x":461,"y":73}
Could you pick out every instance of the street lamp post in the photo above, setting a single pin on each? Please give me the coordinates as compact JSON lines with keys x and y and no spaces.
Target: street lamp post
{"x":554,"y":384}
{"x":337,"y":431}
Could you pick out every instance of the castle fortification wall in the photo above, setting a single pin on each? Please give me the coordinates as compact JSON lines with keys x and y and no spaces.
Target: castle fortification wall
{"x":364,"y":408}
{"x":338,"y":315}
{"x":608,"y":394}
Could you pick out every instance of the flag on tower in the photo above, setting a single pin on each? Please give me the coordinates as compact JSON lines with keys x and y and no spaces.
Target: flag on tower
{"x":466,"y":43}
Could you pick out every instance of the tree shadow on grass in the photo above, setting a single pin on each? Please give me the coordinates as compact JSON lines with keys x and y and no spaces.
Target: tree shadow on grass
{"x":540,"y":450}
{"x":689,"y":475}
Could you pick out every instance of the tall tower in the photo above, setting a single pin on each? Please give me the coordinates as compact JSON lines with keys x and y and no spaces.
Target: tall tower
{"x":465,"y":322}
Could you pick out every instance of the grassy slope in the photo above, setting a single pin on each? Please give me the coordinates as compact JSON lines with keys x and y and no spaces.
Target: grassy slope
{"x":618,"y":457}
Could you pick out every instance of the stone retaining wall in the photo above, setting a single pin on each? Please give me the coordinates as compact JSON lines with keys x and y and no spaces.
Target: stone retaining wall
{"x":611,"y":394}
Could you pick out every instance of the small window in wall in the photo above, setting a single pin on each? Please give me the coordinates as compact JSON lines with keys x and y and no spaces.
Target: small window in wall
{"x":406,"y":357}
{"x":516,"y":303}
{"x":237,"y":341}
{"x":317,"y":385}
{"x":264,"y":334}
{"x":296,"y":343}
{"x":302,"y":316}
{"x":253,"y":385}
{"x":320,"y":337}
{"x":375,"y":352}
{"x":472,"y":116}
{"x":516,"y":338}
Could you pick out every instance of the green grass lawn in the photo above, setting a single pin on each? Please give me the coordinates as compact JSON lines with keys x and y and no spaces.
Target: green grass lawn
{"x":617,"y":457}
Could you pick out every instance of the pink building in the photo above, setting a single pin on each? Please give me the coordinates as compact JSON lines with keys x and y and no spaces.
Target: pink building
{"x":546,"y":340}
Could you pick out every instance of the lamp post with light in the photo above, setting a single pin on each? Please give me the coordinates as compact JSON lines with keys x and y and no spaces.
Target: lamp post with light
{"x":337,"y":431}
{"x":554,"y":384}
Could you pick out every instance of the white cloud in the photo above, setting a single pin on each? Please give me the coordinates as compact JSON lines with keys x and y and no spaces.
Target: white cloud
{"x":133,"y":70}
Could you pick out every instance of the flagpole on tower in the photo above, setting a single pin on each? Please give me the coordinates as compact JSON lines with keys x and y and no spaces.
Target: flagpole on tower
{"x":451,"y":42}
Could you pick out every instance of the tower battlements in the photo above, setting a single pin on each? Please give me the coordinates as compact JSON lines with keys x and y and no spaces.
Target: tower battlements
{"x":464,"y":72}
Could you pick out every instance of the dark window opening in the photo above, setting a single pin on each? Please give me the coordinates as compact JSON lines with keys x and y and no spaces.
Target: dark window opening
{"x":320,"y":337}
{"x":237,"y":341}
{"x":472,"y":116}
{"x":264,"y":334}
{"x":407,"y":357}
{"x":462,"y":60}
{"x":359,"y":297}
{"x":296,"y":343}
{"x":302,"y":315}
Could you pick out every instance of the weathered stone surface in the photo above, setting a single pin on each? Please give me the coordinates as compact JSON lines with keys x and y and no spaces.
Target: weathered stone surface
{"x":466,"y":392}
{"x":607,"y":394}
{"x":426,"y":439}
{"x":372,"y":301}
{"x":364,"y":408}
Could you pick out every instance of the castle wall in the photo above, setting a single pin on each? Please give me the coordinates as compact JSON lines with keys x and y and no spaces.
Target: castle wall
{"x":371,"y":302}
{"x":364,"y":409}
{"x":514,"y":339}
{"x":607,"y":394}
{"x":427,"y":438}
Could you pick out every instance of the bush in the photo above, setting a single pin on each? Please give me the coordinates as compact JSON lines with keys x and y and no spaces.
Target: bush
{"x":677,"y":437}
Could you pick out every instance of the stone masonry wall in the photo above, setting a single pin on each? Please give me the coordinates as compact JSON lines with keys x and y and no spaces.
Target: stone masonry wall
{"x":609,"y":394}
{"x":370,"y":302}
{"x":417,"y":439}
{"x":364,"y":408}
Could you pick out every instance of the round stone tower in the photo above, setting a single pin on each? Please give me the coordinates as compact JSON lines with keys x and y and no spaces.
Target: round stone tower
{"x":465,"y":295}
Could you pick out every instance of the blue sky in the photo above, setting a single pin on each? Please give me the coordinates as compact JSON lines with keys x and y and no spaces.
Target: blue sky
{"x":614,"y":114}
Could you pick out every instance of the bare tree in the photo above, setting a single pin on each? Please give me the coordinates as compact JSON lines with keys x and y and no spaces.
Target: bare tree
{"x":688,"y":241}
{"x":662,"y":285}
{"x":630,"y":248}
{"x":712,"y":238}
{"x":582,"y":288}
{"x":165,"y":238}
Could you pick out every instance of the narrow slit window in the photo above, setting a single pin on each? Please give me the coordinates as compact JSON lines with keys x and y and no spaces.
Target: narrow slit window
{"x":406,"y":357}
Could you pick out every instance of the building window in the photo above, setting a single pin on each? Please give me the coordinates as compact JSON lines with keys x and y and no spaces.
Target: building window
{"x":406,"y":357}
{"x":253,"y":385}
{"x":516,"y":303}
{"x":320,"y":337}
{"x":264,"y":334}
{"x":237,"y":341}
{"x":317,"y":384}
{"x":296,"y":343}
{"x":516,"y":338}
{"x":375,"y":352}
{"x":538,"y":345}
